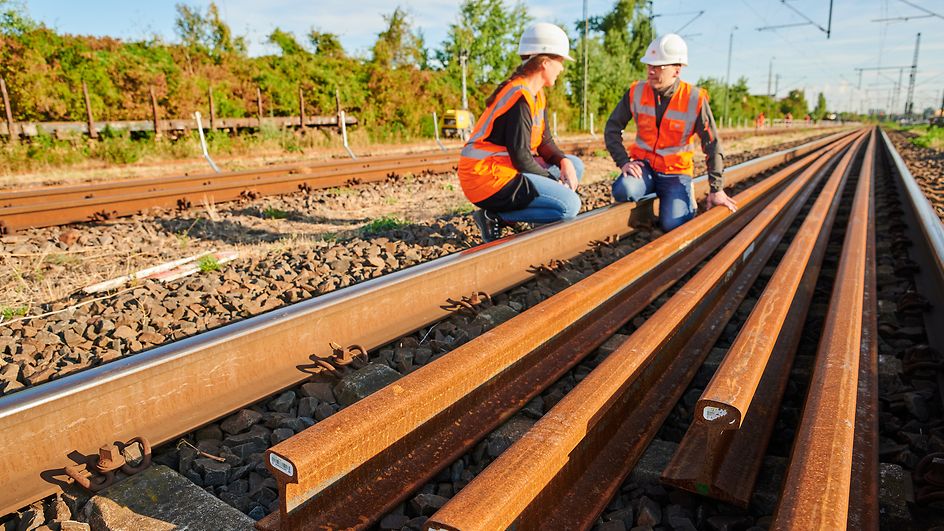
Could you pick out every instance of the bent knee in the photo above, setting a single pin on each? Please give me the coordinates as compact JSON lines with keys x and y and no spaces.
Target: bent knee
{"x":628,"y":189}
{"x":670,"y":223}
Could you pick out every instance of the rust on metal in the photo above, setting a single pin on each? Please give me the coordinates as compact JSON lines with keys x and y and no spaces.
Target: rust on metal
{"x":816,"y":490}
{"x":509,"y":492}
{"x":104,"y":467}
{"x":863,"y":493}
{"x":230,"y":367}
{"x":723,"y":463}
{"x":727,"y":398}
{"x":343,"y":474}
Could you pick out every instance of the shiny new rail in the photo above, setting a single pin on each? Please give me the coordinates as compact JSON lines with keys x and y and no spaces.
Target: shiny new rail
{"x":60,"y":205}
{"x":173,"y":389}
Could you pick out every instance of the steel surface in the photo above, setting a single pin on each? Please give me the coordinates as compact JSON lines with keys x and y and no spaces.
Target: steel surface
{"x":863,"y":495}
{"x":730,"y":393}
{"x":723,"y":463}
{"x":504,"y":491}
{"x":153,"y":394}
{"x":816,"y":490}
{"x":378,"y":479}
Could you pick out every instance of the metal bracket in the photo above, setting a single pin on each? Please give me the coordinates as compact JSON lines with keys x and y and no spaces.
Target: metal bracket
{"x":109,"y":461}
{"x":467,"y":304}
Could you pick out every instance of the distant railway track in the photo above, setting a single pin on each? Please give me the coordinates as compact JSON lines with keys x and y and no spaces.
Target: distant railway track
{"x":153,"y":394}
{"x":60,"y":205}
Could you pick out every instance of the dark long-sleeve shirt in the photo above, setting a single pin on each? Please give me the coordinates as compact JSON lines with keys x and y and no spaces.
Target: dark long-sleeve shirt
{"x":513,"y":130}
{"x":704,"y":128}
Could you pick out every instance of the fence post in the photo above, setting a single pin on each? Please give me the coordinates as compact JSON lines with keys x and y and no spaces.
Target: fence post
{"x":212,"y":108}
{"x":337,"y":104}
{"x":555,"y":124}
{"x":592,"y":132}
{"x":154,"y":115}
{"x":88,"y":112}
{"x":9,"y":112}
{"x":436,"y":131}
{"x":301,"y":110}
{"x":344,"y":136}
{"x":259,"y":105}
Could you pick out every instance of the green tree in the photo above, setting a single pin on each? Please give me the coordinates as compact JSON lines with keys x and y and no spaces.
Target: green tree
{"x":488,"y":32}
{"x":795,"y":104}
{"x":820,"y":111}
{"x":326,"y":44}
{"x":398,"y":46}
{"x":14,"y":20}
{"x":615,"y":44}
{"x":287,"y":43}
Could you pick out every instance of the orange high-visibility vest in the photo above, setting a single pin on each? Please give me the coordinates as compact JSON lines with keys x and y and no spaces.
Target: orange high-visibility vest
{"x":668,"y":148}
{"x":484,"y":167}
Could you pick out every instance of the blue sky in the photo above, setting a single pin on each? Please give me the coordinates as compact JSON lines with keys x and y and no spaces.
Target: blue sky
{"x":802,"y":55}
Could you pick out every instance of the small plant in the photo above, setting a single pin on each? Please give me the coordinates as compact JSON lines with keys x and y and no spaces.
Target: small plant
{"x":449,"y":187}
{"x":208,"y":263}
{"x":183,"y":239}
{"x":9,"y":312}
{"x":274,"y":213}
{"x":383,"y":224}
{"x":461,"y":210}
{"x":62,"y":259}
{"x":391,"y":200}
{"x":329,"y":237}
{"x":601,"y":153}
{"x":339,"y":191}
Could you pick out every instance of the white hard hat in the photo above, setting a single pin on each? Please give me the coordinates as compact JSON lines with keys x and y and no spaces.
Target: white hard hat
{"x":668,"y":49}
{"x":544,"y":38}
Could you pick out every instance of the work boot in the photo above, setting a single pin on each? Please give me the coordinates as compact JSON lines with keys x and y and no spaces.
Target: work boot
{"x":488,"y":223}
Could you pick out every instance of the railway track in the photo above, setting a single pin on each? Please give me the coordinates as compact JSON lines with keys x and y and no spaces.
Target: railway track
{"x":60,"y":205}
{"x":444,"y":408}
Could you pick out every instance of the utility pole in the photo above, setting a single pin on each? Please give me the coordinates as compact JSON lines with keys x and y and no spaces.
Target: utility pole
{"x":586,"y":31}
{"x":909,"y":106}
{"x":770,"y":74}
{"x":727,"y":77}
{"x":463,"y":57}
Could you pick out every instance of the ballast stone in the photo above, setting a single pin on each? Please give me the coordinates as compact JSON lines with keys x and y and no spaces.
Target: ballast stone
{"x":363,"y":382}
{"x":161,"y":499}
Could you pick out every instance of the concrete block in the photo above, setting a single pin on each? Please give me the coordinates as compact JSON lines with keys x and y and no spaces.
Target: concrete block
{"x":161,"y":499}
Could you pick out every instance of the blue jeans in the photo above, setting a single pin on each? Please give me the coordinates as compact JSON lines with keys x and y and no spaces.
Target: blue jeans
{"x":676,"y":201}
{"x":555,"y":201}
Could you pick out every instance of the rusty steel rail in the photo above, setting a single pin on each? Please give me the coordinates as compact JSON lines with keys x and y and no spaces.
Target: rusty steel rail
{"x":152,"y":394}
{"x":816,"y":491}
{"x":720,"y":458}
{"x":864,"y":492}
{"x":358,"y":464}
{"x":532,"y":485}
{"x":43,"y":207}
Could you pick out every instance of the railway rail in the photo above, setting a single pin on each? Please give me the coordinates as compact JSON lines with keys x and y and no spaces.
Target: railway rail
{"x":353,"y":467}
{"x":59,"y":205}
{"x":41,"y":426}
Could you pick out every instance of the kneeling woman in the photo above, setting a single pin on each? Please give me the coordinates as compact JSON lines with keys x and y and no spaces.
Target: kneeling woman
{"x":498,"y":170}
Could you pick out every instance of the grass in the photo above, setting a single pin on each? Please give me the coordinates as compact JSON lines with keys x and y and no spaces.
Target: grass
{"x":463,"y":209}
{"x":274,"y":213}
{"x":208,"y":263}
{"x":62,"y":259}
{"x":383,"y":224}
{"x":9,"y":312}
{"x":928,"y":137}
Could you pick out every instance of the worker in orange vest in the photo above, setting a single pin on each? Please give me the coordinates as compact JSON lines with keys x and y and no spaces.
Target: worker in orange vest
{"x":670,"y":114}
{"x":498,"y":169}
{"x":760,"y":121}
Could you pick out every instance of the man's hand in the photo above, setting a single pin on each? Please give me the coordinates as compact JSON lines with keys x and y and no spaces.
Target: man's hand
{"x":720,"y":198}
{"x":633,"y":168}
{"x":568,"y":176}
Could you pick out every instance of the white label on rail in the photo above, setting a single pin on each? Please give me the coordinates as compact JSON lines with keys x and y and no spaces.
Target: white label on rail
{"x":712,"y":413}
{"x":281,"y":464}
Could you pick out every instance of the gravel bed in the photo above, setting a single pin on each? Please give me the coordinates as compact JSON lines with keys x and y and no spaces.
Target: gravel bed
{"x":925,"y":164}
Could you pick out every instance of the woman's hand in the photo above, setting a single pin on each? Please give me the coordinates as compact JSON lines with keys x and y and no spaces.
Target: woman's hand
{"x":720,"y":198}
{"x":633,"y":168}
{"x":568,"y":176}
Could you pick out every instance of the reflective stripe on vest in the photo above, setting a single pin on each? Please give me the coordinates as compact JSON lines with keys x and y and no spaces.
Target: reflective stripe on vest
{"x":667,"y":151}
{"x":484,"y":167}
